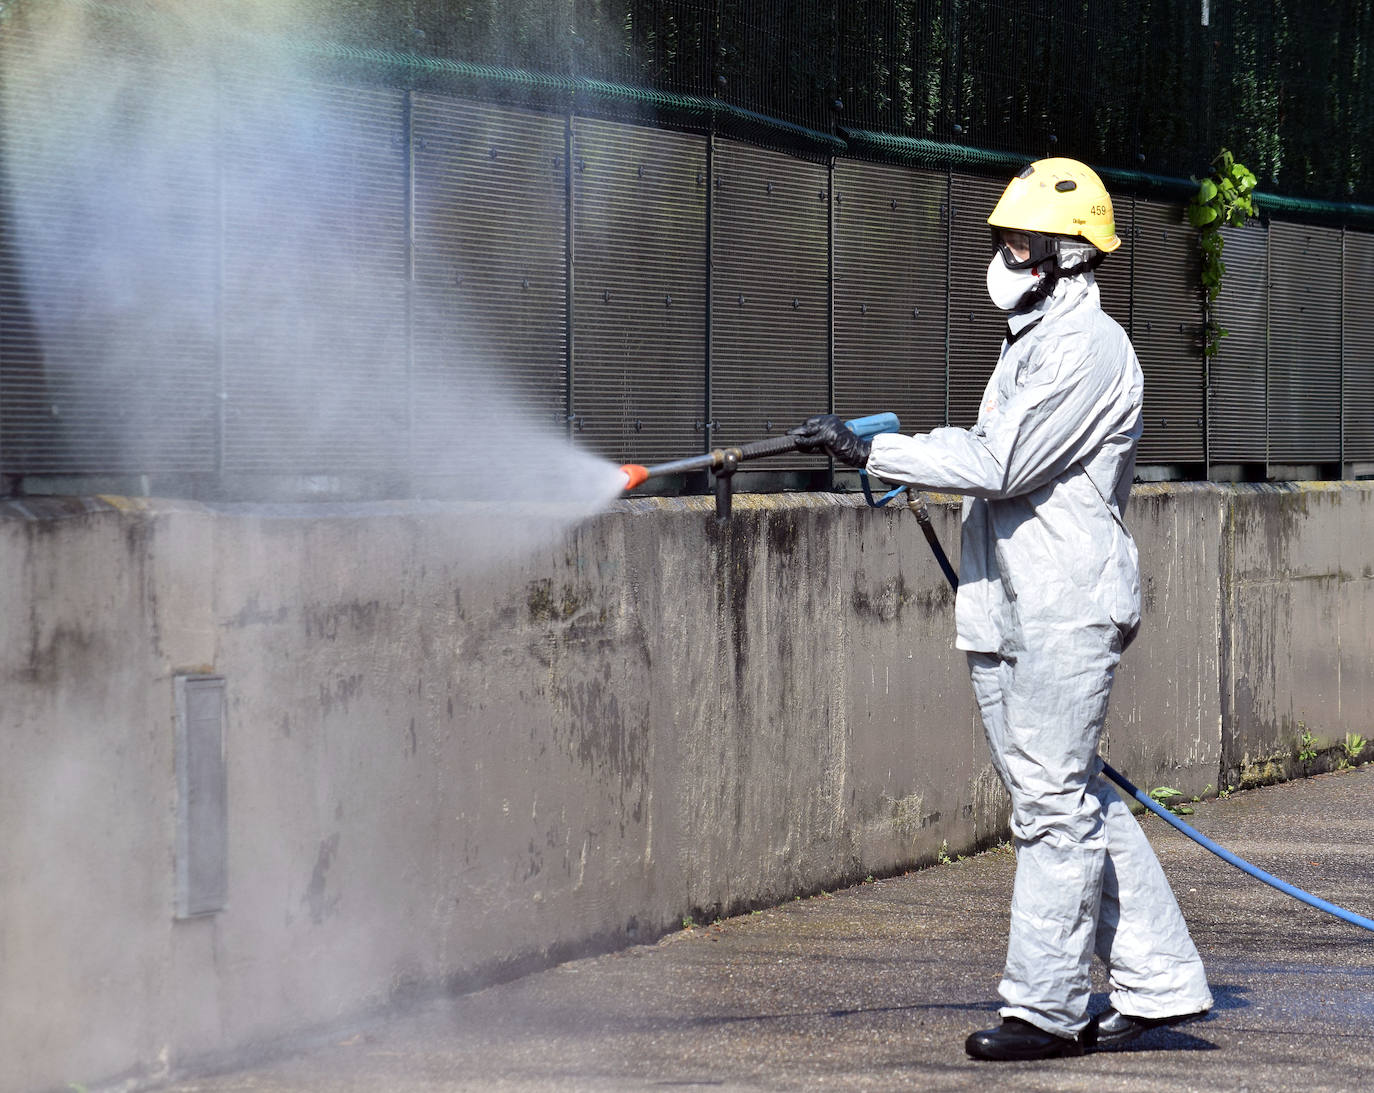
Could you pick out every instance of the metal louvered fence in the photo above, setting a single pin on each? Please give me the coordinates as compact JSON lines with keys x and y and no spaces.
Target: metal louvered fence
{"x":240,"y":283}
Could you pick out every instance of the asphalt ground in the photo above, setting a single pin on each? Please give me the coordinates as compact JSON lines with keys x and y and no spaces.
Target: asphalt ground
{"x":875,"y":987}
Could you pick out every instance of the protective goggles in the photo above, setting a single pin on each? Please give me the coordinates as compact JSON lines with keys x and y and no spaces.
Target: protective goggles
{"x":1024,"y":249}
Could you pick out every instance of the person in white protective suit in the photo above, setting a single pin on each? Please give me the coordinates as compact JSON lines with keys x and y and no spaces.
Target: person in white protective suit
{"x":1049,"y":596}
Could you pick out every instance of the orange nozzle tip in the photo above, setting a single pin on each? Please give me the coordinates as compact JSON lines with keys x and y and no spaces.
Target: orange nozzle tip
{"x":635,"y":475}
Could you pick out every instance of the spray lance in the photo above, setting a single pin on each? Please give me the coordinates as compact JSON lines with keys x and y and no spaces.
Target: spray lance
{"x":723,"y":462}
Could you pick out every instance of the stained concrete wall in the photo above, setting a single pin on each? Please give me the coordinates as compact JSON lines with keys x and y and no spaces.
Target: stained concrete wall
{"x":1300,"y":568}
{"x":462,"y":742}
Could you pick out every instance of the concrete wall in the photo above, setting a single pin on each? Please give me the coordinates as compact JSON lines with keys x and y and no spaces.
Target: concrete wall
{"x":1299,"y":561}
{"x":463,"y":742}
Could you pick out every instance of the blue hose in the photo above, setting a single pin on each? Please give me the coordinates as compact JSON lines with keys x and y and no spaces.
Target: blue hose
{"x":1154,"y":806}
{"x":1225,"y":855}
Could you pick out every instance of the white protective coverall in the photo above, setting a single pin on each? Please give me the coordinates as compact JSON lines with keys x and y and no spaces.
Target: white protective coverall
{"x":1049,"y":592}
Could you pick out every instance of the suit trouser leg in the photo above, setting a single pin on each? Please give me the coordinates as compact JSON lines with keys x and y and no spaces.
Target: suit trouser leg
{"x":1153,"y":966}
{"x":1084,"y":880}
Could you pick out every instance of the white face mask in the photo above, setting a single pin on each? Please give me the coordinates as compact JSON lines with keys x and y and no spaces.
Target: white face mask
{"x":1007,"y":286}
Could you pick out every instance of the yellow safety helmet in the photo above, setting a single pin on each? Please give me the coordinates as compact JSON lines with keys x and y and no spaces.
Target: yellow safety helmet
{"x":1058,"y":197}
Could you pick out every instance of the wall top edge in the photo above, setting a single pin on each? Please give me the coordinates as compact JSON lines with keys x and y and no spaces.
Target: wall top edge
{"x":52,"y":507}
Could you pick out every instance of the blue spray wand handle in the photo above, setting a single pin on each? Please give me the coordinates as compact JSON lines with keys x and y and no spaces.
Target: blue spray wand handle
{"x":866,"y":428}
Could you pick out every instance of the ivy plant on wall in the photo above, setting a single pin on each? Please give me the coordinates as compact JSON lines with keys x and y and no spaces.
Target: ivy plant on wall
{"x":1223,"y":200}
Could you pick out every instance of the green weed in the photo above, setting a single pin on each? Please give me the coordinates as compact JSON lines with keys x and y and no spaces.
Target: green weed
{"x":1162,"y":795}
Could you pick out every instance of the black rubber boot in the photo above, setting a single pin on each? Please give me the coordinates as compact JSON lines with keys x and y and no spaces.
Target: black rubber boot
{"x":1110,"y":1029}
{"x":1015,"y":1039}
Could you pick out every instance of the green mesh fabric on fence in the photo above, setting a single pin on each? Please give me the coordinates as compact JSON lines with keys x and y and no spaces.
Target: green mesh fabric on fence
{"x":1148,"y":86}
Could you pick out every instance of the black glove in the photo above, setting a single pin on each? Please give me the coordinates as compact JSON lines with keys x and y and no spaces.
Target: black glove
{"x":829,"y":432}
